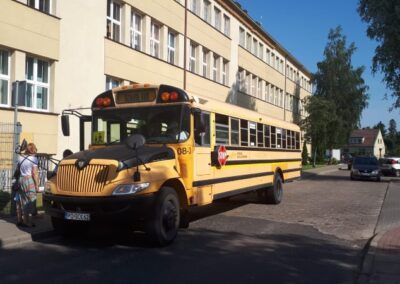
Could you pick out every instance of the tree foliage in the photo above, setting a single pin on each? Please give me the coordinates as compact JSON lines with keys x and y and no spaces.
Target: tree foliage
{"x":381,"y":127}
{"x":383,"y":19}
{"x":340,"y":96}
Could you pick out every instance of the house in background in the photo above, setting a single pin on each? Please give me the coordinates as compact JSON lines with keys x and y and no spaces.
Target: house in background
{"x":366,"y":142}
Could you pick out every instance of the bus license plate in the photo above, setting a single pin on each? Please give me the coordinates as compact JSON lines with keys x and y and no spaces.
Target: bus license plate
{"x":77,"y":216}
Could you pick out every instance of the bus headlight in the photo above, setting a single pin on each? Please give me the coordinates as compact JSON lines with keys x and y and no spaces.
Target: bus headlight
{"x":124,"y":189}
{"x":47,"y":187}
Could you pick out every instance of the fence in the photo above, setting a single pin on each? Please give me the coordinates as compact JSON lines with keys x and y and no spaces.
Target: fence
{"x":7,"y":151}
{"x":6,"y":155}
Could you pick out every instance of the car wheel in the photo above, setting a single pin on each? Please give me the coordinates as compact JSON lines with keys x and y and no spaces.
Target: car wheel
{"x":397,"y":173}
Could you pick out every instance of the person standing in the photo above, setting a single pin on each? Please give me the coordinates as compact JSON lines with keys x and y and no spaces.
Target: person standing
{"x":28,"y":186}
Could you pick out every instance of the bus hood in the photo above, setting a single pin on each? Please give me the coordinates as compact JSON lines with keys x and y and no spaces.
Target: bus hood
{"x":127,"y":156}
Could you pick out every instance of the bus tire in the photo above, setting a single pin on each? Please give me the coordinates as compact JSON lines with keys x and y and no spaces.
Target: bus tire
{"x":275,"y":193}
{"x":163,"y":225}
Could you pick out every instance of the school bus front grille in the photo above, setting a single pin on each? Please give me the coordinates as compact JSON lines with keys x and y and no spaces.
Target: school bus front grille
{"x":90,"y":179}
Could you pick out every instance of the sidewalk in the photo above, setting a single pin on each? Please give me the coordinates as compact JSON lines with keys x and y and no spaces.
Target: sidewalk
{"x":382,"y":261}
{"x":11,"y":235}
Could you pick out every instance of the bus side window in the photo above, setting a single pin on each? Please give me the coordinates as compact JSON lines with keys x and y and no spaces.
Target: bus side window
{"x":202,"y":129}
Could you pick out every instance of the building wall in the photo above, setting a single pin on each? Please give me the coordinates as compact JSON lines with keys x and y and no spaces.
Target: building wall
{"x":29,"y":33}
{"x":85,"y":58}
{"x":379,"y":147}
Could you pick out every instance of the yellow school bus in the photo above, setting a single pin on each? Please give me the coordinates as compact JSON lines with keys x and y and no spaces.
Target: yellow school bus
{"x":156,"y":151}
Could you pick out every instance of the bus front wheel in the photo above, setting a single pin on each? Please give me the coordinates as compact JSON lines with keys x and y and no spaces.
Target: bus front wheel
{"x":163,"y":224}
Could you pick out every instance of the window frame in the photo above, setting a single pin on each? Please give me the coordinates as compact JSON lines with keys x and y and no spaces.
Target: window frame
{"x":171,"y":49}
{"x":135,"y":32}
{"x":37,"y":84}
{"x":7,"y":78}
{"x":154,"y":41}
{"x":113,"y":21}
{"x":192,"y":57}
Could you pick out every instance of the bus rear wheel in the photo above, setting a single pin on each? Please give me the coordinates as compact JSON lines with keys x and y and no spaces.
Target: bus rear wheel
{"x":163,"y":224}
{"x":273,"y":194}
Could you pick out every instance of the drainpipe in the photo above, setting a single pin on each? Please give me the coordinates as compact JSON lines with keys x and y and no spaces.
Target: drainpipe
{"x":185,"y":48}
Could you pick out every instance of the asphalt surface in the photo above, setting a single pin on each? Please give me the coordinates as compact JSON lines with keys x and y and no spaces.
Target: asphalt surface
{"x":318,"y":234}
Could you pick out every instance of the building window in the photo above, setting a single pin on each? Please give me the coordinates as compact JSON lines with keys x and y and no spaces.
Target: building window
{"x":195,"y":7}
{"x":227,"y":25}
{"x":242,"y":37}
{"x":155,"y":40}
{"x":215,"y":69}
{"x":4,"y":76}
{"x":248,"y":41}
{"x":266,"y":91}
{"x":42,"y":5}
{"x":207,"y":11}
{"x":255,"y":46}
{"x":225,"y":72}
{"x":259,"y":89}
{"x":205,"y":63}
{"x":171,"y":47}
{"x":192,"y":58}
{"x":248,"y":83}
{"x":268,"y":56}
{"x":254,"y":86}
{"x":37,"y":79}
{"x":242,"y":80}
{"x":261,"y":51}
{"x":217,"y":18}
{"x":136,"y":31}
{"x":113,"y":20}
{"x":112,"y":82}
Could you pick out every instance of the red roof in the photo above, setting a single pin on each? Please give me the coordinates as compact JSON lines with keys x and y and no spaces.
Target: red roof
{"x":369,"y":136}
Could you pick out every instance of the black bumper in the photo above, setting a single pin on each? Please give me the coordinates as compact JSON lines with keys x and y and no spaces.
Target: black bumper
{"x":116,"y":209}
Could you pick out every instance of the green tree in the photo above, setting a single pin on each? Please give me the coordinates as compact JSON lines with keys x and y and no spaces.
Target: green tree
{"x":392,"y":130}
{"x":340,"y":95}
{"x":381,"y":127}
{"x":383,"y":19}
{"x":304,"y":154}
{"x":317,"y":124}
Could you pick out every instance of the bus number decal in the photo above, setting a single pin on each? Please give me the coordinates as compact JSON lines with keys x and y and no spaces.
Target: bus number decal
{"x":184,"y":151}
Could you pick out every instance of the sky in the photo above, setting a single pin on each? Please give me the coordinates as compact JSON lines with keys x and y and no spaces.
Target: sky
{"x":302,"y":28}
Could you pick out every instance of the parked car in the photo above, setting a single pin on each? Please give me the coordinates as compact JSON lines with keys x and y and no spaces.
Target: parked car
{"x":365,"y":168}
{"x":390,"y":166}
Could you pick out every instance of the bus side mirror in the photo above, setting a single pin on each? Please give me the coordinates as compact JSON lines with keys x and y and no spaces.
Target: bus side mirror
{"x":65,"y":124}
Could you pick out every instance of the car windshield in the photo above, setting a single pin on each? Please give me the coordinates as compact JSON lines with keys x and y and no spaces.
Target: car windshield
{"x":158,"y":124}
{"x":365,"y":161}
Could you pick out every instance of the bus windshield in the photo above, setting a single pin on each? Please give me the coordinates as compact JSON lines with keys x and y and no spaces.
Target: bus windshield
{"x":158,"y":124}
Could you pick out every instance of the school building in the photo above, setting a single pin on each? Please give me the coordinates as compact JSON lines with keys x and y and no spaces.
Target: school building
{"x":70,"y":51}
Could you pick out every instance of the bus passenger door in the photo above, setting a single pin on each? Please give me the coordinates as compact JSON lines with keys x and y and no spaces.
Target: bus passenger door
{"x":202,"y":158}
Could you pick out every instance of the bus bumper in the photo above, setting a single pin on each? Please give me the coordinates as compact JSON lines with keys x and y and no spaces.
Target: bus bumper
{"x":115,"y":209}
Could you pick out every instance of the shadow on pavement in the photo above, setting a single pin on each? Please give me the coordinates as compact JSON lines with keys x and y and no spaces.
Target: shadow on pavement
{"x":197,"y":256}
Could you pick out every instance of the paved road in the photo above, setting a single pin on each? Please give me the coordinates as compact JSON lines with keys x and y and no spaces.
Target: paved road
{"x":316,"y":235}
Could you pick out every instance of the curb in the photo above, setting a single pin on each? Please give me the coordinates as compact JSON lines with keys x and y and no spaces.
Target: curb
{"x":25,"y":238}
